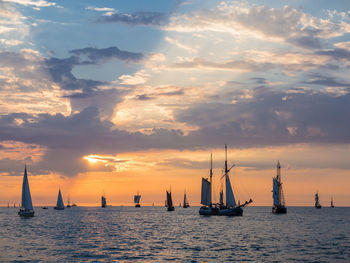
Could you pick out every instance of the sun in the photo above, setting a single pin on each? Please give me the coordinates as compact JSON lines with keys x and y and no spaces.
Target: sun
{"x":90,"y":159}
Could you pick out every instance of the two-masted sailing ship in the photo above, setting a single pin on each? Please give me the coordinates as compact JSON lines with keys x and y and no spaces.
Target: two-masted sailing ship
{"x":137,"y":199}
{"x":185,"y":203}
{"x":231,"y":208}
{"x":169,"y":201}
{"x":317,"y":201}
{"x":279,"y":206}
{"x":59,"y":204}
{"x":26,"y":209}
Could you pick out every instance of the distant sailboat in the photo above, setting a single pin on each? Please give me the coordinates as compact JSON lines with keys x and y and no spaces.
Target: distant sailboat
{"x":332,"y":205}
{"x":68,"y":202}
{"x":137,"y":199}
{"x":231,"y":208}
{"x":26,"y":209}
{"x":59,"y":204}
{"x":103,"y":201}
{"x":317,"y":201}
{"x":185,"y":203}
{"x":279,"y":206}
{"x":169,"y":201}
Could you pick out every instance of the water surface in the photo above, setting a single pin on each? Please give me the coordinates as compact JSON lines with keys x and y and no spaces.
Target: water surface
{"x":81,"y":234}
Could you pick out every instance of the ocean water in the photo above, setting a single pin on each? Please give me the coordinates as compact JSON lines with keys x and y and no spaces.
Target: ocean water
{"x":151,"y":234}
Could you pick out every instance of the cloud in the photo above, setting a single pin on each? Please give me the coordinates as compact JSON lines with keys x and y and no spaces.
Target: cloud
{"x":137,"y":18}
{"x":96,"y":55}
{"x":35,"y":3}
{"x":265,"y":119}
{"x":100,"y":9}
{"x":269,"y":24}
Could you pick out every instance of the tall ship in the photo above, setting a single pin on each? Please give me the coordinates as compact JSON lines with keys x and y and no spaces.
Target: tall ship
{"x":317,"y":201}
{"x":185,"y":203}
{"x":332,"y":205}
{"x":137,"y":199}
{"x":103,"y":201}
{"x":169,"y":201}
{"x":26,"y":209}
{"x":230,"y":208}
{"x":59,"y":204}
{"x":279,"y":206}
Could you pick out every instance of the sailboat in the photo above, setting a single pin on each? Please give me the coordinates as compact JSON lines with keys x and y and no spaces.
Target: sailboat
{"x":317,"y":201}
{"x":332,"y":205}
{"x":137,"y":199}
{"x":185,"y":203}
{"x":103,"y":201}
{"x":209,"y":208}
{"x":26,"y":209}
{"x":169,"y":201}
{"x":59,"y":204}
{"x":68,"y":202}
{"x":279,"y":206}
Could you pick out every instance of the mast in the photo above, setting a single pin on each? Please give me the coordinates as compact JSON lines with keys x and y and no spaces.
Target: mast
{"x":278,"y":177}
{"x":211,"y":175}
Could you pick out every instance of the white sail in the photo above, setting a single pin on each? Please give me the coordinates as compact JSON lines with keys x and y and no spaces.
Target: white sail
{"x":137,"y":199}
{"x":59,"y":200}
{"x":26,"y":198}
{"x":206,"y":194}
{"x":275,"y":195}
{"x":230,"y":198}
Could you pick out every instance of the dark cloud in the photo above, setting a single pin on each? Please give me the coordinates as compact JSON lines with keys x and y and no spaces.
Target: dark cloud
{"x":137,"y":18}
{"x":96,"y":55}
{"x":321,"y":80}
{"x":144,"y":97}
{"x":268,"y":118}
{"x":271,"y":118}
{"x":337,"y":53}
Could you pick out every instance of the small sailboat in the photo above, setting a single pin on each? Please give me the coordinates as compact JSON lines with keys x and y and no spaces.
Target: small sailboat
{"x":137,"y":199}
{"x":59,"y":204}
{"x":185,"y":203}
{"x":279,"y":206}
{"x":26,"y":209}
{"x":332,"y":205}
{"x":103,"y":201}
{"x":231,"y":208}
{"x":169,"y":201}
{"x":44,"y":207}
{"x":317,"y":201}
{"x":68,"y":202}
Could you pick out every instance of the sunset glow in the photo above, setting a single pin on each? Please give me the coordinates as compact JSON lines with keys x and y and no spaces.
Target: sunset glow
{"x":100,"y":97}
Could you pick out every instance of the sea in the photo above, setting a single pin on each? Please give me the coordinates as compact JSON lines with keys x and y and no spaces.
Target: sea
{"x":152,"y":234}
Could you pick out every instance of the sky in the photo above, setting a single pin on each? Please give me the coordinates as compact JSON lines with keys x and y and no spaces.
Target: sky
{"x":119,"y":96}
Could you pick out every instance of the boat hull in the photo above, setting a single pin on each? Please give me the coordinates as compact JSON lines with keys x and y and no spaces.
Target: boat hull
{"x":279,"y":209}
{"x":171,"y":208}
{"x":137,"y":205}
{"x":318,"y":206}
{"x":58,"y":208}
{"x":26,"y":213}
{"x":214,"y":211}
